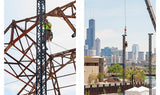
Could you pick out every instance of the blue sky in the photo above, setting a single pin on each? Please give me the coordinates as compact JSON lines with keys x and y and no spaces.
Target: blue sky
{"x":110,"y":22}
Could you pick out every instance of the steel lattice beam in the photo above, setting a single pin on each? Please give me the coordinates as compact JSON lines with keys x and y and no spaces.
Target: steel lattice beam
{"x":54,"y":13}
{"x":41,"y":83}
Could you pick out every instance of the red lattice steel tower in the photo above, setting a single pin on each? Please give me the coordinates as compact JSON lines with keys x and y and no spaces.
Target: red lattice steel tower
{"x":20,"y":56}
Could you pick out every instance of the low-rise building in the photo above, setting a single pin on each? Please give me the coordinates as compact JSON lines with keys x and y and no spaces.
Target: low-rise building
{"x":93,"y":65}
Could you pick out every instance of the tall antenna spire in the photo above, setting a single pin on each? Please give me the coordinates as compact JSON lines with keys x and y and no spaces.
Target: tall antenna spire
{"x":93,"y":13}
{"x":90,"y":14}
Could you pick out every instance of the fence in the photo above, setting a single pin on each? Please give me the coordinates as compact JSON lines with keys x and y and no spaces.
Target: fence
{"x":109,"y":88}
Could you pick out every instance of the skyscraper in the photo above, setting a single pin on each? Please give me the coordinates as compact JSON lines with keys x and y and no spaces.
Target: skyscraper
{"x":140,"y":56}
{"x":85,"y":50}
{"x":135,"y":50}
{"x":106,"y":51}
{"x":130,"y":56}
{"x":97,"y":45}
{"x":90,"y":41}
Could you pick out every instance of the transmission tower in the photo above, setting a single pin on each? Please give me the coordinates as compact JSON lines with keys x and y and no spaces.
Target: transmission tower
{"x":20,"y":39}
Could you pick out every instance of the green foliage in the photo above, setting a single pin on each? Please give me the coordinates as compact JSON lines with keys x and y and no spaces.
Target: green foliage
{"x":100,"y":76}
{"x":106,"y":76}
{"x":92,"y":77}
{"x":146,"y":84}
{"x":129,"y":74}
{"x":119,"y":90}
{"x":153,"y":68}
{"x":87,"y":92}
{"x":142,"y":74}
{"x":116,"y":68}
{"x":138,"y":75}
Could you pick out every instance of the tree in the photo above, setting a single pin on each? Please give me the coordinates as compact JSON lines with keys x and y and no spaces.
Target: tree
{"x":119,"y":90}
{"x":100,"y":76}
{"x":129,"y":73}
{"x":138,"y":75}
{"x":92,"y":77}
{"x":116,"y":68}
{"x":87,"y":92}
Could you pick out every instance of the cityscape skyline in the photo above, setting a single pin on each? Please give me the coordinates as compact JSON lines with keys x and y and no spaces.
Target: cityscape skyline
{"x":112,"y":54}
{"x":93,"y":43}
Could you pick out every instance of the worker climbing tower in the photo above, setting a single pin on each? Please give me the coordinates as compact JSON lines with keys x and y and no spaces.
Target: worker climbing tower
{"x":41,"y":83}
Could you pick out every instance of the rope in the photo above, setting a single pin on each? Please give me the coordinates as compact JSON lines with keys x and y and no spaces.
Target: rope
{"x":53,"y":42}
{"x":59,"y":45}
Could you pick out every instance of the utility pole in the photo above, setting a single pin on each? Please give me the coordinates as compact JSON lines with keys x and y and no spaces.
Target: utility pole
{"x":124,"y":59}
{"x":41,"y":83}
{"x":150,"y":63}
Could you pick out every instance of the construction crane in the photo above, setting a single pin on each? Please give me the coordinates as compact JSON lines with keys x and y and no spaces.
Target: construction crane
{"x":151,"y":13}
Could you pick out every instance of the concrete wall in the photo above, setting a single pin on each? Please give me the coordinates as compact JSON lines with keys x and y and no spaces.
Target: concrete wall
{"x":92,"y":65}
{"x":89,"y":70}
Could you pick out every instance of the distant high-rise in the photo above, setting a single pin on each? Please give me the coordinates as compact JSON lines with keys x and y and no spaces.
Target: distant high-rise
{"x":135,"y":50}
{"x":117,"y":52}
{"x":140,"y":56}
{"x":90,"y":41}
{"x":114,"y":49}
{"x":91,"y":52}
{"x":85,"y":50}
{"x":97,"y":45}
{"x":130,"y":56}
{"x":106,"y":51}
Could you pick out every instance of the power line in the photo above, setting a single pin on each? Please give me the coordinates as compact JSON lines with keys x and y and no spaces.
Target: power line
{"x":59,"y":45}
{"x":12,"y":82}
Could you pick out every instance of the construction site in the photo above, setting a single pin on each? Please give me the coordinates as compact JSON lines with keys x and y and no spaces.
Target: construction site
{"x":37,"y":63}
{"x":111,"y":64}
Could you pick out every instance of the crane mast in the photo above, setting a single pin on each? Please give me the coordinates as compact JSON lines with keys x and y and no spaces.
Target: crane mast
{"x":41,"y":83}
{"x":151,"y":13}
